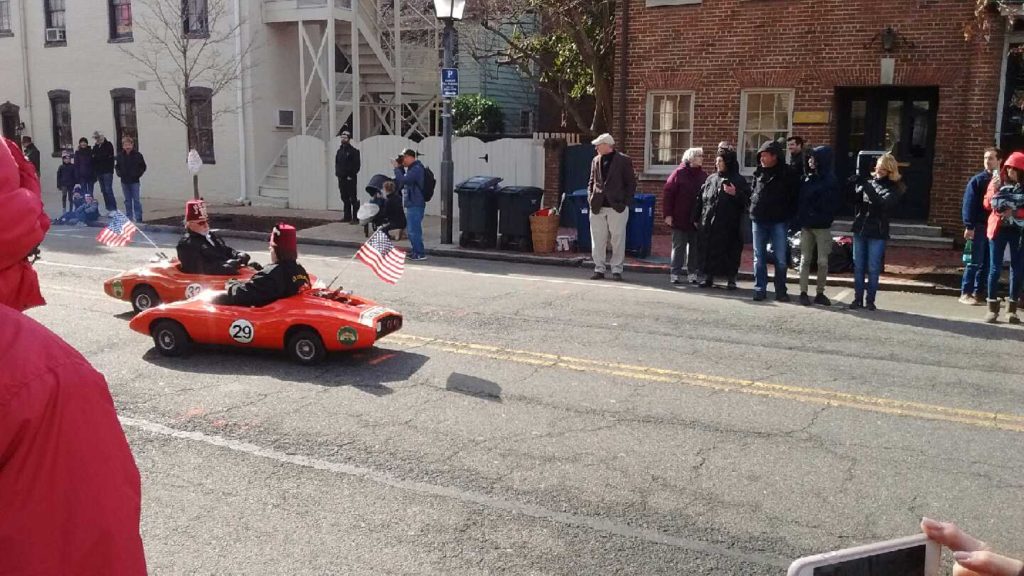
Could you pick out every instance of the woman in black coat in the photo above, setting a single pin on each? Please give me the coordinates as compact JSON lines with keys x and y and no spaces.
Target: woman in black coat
{"x":723,"y":200}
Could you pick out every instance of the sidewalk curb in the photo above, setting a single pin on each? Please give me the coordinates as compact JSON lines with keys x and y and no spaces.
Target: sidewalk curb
{"x":909,"y":286}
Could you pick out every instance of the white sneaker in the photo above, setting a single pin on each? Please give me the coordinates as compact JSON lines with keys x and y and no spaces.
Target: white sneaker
{"x":674,"y":278}
{"x":967,"y":299}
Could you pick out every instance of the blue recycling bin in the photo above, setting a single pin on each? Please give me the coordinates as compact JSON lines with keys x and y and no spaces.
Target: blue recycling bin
{"x":581,"y":214}
{"x":640,"y":226}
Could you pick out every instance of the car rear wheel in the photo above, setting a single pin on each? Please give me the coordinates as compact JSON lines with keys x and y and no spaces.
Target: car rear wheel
{"x":306,"y":347}
{"x":144,"y":298}
{"x":170,"y":338}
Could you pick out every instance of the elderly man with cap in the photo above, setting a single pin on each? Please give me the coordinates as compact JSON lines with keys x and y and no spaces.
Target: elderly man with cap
{"x":411,"y":178}
{"x":200,"y":251}
{"x":69,"y":488}
{"x":346,"y":168}
{"x":284,"y":277}
{"x":103,"y":157}
{"x":610,"y":193}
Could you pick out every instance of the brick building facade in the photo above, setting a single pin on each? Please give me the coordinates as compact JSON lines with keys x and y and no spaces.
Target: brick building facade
{"x":856,"y":74}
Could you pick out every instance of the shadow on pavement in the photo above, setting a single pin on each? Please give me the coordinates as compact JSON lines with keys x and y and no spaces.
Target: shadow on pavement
{"x":368,"y":371}
{"x":473,"y":386}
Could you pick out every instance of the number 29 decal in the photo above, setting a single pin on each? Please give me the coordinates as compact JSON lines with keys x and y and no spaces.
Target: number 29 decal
{"x":242,"y":331}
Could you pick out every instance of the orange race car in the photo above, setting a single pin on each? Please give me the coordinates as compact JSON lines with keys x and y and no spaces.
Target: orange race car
{"x":162,"y":281}
{"x":307,"y":326}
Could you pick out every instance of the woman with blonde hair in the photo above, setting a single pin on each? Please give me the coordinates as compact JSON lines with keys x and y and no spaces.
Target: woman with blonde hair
{"x":681,"y":196}
{"x":874,"y":201}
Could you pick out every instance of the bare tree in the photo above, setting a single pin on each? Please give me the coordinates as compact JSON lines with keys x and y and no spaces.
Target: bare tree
{"x":565,"y":48}
{"x":185,"y":44}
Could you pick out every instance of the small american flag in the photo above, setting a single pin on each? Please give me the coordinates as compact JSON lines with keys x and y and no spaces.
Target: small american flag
{"x":380,"y":254}
{"x":119,"y":231}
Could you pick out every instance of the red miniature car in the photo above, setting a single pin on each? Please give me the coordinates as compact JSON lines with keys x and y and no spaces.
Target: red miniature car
{"x":307,"y":325}
{"x":163,"y":281}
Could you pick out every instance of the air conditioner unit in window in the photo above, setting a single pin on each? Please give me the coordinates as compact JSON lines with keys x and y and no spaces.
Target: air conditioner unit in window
{"x":285,"y":118}
{"x":55,"y":35}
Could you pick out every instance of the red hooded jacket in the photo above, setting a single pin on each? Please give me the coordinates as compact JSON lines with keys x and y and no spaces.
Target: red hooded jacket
{"x":69,"y":489}
{"x":21,"y":230}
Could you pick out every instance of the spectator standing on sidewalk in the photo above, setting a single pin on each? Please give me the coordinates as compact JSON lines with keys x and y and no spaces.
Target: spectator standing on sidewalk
{"x":84,"y":171}
{"x":31,"y":152}
{"x":346,"y":168}
{"x":103,"y":158}
{"x":797,"y":156}
{"x":410,"y":178}
{"x":610,"y":194}
{"x":874,"y":201}
{"x":724,"y":198}
{"x":681,"y":197}
{"x":976,"y":229}
{"x":1005,"y":210}
{"x":66,"y":181}
{"x":772,"y":206}
{"x":816,"y":209}
{"x":130,"y":167}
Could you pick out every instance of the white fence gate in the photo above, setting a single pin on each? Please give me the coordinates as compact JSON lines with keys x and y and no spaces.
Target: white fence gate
{"x":518,"y":162}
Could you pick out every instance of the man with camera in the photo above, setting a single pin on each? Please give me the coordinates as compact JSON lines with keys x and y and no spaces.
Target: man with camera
{"x":410,"y":178}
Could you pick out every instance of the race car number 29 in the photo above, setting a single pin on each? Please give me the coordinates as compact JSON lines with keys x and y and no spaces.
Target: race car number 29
{"x":242,"y":331}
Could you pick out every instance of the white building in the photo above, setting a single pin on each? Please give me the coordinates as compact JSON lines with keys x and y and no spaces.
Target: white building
{"x":64,"y":73}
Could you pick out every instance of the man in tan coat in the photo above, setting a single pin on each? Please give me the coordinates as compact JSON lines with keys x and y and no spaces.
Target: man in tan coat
{"x":611,"y":189}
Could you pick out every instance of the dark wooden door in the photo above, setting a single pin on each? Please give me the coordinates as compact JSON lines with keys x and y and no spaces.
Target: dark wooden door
{"x":898,"y":120}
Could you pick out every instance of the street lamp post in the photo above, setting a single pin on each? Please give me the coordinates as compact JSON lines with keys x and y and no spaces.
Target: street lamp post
{"x":448,"y":11}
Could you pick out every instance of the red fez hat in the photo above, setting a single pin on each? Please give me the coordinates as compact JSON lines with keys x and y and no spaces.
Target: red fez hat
{"x":195,"y":211}
{"x":283,"y":238}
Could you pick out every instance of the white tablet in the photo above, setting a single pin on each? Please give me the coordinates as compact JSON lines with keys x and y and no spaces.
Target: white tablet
{"x":910,"y":556}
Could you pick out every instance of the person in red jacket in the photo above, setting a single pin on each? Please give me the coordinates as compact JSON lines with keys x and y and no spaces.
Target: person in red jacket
{"x":70,"y":493}
{"x":1003,"y":232}
{"x":681,"y":196}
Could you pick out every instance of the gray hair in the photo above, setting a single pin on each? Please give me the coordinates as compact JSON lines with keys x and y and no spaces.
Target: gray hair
{"x":692,"y":153}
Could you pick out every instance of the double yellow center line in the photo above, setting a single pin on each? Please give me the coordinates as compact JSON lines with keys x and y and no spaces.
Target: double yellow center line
{"x":978,"y":418}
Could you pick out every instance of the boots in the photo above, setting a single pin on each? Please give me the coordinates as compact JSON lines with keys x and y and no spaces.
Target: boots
{"x":993,"y":311}
{"x":1011,"y":311}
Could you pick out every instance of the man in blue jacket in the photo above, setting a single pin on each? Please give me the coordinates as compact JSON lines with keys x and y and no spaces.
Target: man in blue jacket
{"x":816,"y":210}
{"x":975,"y":229}
{"x":410,"y":178}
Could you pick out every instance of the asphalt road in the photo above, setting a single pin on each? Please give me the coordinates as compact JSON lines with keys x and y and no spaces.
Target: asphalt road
{"x":529,"y":421}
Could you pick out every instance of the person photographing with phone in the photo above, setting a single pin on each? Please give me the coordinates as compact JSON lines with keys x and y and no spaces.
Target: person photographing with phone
{"x":973,"y":557}
{"x":410,"y":178}
{"x":720,"y":205}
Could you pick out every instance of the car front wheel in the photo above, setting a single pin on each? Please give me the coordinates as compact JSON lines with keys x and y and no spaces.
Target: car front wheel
{"x":144,"y":298}
{"x":170,"y":338}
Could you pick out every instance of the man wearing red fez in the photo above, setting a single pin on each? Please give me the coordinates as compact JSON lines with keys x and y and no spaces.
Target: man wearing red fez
{"x":201,"y":251}
{"x":284,"y":277}
{"x":70,"y":493}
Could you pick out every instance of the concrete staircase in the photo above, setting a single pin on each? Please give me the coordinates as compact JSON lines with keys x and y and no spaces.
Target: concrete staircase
{"x":273,"y":191}
{"x":906,"y":234}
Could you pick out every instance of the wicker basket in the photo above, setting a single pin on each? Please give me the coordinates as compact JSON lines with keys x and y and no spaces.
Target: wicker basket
{"x":544,"y":230}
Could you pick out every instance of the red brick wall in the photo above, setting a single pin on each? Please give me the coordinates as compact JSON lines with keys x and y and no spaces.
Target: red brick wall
{"x":553,"y":150}
{"x":719,"y":47}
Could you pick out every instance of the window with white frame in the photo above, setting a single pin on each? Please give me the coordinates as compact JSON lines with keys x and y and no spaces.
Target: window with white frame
{"x":669,"y":129}
{"x":5,"y":17}
{"x":764,"y":115}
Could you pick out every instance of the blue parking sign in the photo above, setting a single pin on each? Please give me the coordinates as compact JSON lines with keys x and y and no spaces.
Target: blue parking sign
{"x":449,"y":82}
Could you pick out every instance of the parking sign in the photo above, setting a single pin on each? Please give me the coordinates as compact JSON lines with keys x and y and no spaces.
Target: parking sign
{"x":449,"y":82}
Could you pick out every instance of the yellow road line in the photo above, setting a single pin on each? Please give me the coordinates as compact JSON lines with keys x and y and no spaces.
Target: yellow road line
{"x":978,"y":418}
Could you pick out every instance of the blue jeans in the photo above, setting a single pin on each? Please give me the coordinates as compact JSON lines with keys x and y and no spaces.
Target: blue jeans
{"x":1006,"y":236}
{"x":132,"y":203}
{"x":775,"y":232}
{"x":976,"y":273}
{"x":867,"y":258}
{"x":107,"y":189}
{"x":414,"y":228}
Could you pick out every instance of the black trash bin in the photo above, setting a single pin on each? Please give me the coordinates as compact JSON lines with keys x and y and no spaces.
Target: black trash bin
{"x":478,"y":212}
{"x":515,"y":204}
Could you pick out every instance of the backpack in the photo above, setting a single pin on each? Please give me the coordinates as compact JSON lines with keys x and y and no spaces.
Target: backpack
{"x":429,"y":184}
